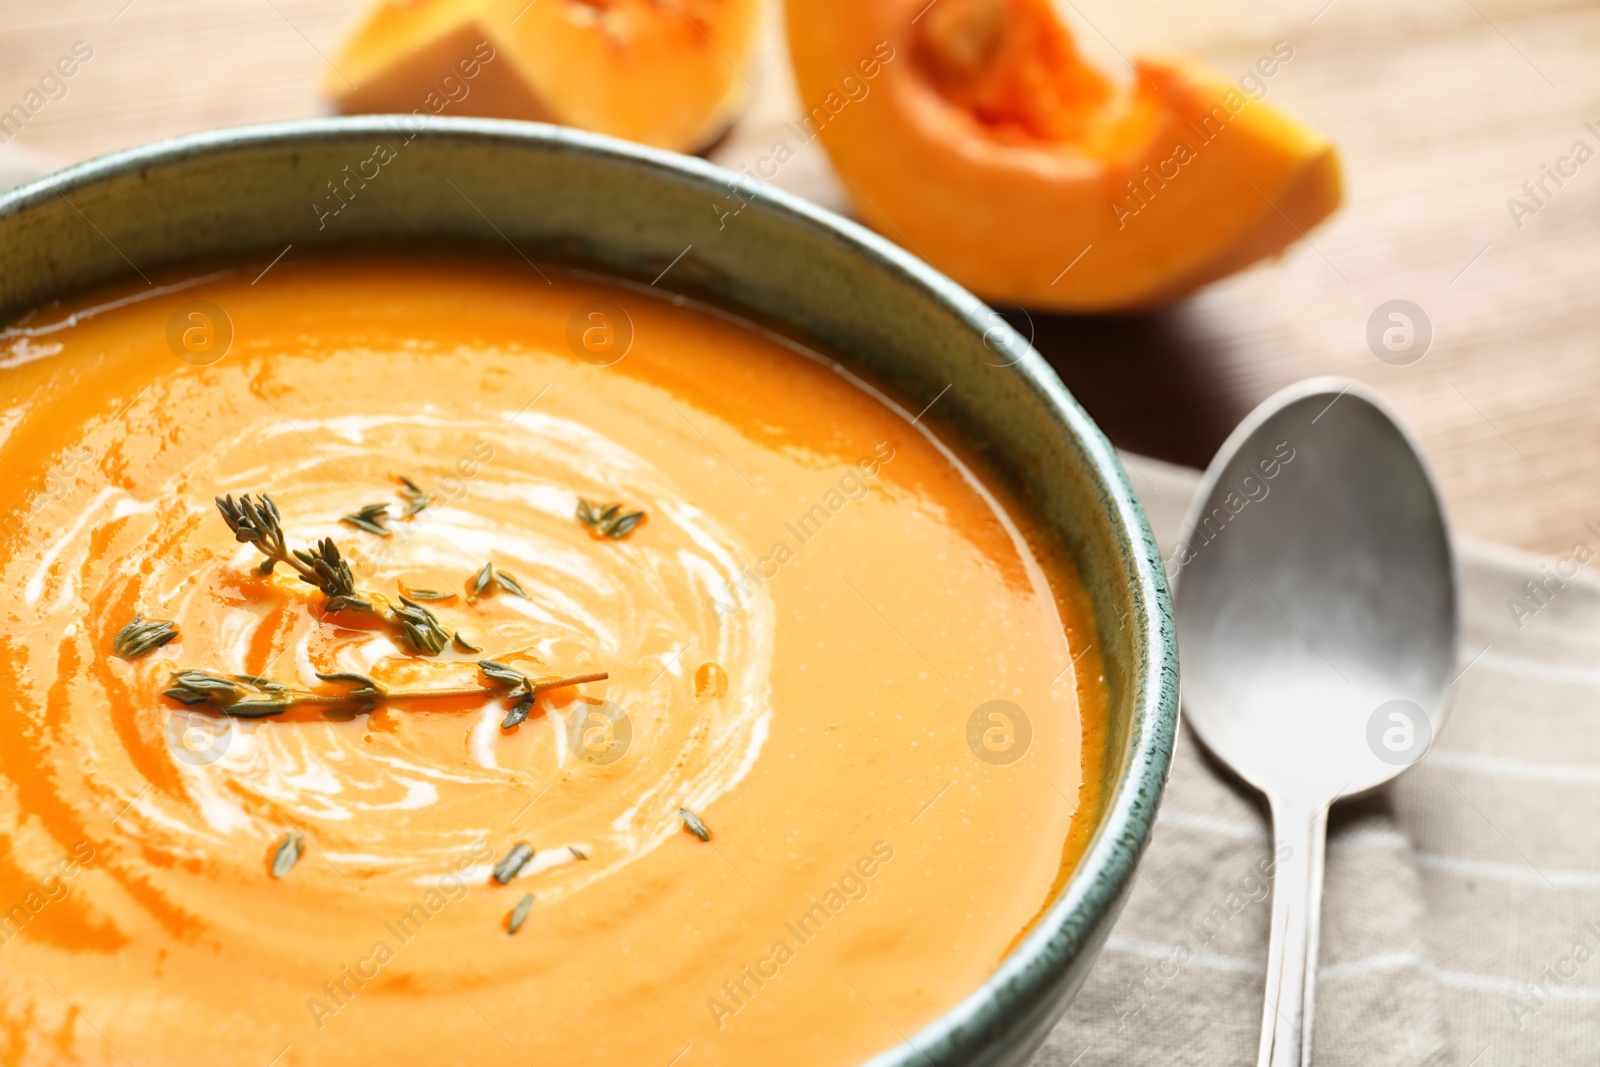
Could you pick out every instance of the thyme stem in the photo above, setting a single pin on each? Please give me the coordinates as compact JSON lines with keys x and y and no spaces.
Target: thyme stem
{"x":248,"y":697}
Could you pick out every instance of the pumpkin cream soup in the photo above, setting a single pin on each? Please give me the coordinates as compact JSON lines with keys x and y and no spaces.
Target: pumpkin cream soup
{"x":414,"y":659}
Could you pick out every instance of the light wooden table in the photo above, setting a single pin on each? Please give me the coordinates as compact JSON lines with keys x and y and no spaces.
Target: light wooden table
{"x":1442,"y":108}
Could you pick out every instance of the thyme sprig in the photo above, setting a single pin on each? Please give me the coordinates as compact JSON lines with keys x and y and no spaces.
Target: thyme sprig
{"x":248,"y":696}
{"x":142,"y":635}
{"x":258,"y":523}
{"x":608,"y":520}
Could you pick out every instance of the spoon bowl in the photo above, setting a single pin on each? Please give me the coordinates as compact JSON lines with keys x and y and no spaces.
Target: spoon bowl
{"x":1315,"y":600}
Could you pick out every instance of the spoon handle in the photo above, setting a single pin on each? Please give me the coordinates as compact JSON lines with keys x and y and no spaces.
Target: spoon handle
{"x":1301,"y":832}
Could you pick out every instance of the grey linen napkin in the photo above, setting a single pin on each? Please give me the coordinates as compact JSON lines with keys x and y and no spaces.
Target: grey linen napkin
{"x":1461,"y":919}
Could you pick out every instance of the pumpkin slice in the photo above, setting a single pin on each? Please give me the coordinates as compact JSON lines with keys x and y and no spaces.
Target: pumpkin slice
{"x":670,"y":73}
{"x":972,"y":132}
{"x":432,"y":56}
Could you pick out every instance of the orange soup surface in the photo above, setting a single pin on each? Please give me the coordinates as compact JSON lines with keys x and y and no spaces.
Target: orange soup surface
{"x":829,"y":646}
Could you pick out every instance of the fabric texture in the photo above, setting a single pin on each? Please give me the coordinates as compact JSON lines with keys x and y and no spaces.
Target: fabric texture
{"x":1461,"y":917}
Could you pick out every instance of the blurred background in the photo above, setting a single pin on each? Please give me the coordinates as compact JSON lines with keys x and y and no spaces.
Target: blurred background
{"x":1441,"y":109}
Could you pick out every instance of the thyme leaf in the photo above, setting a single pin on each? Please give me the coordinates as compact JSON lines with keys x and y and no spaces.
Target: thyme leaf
{"x":288,"y":854}
{"x":326,"y":569}
{"x":489,"y":578}
{"x":518,"y":713}
{"x":364,"y":687}
{"x":142,"y":636}
{"x":509,"y":584}
{"x":607,"y":520}
{"x":519,"y":914}
{"x":500,"y":674}
{"x":693,"y":824}
{"x":623,"y":526}
{"x":480,"y":582}
{"x":577,"y":852}
{"x":426,"y":594}
{"x":415,"y":498}
{"x":369,"y":687}
{"x":462,"y":644}
{"x":370,"y":519}
{"x":421,"y":626}
{"x":242,"y":696}
{"x":511,"y":866}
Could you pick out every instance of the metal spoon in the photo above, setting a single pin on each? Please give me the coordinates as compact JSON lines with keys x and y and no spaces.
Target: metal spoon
{"x":1316,"y":607}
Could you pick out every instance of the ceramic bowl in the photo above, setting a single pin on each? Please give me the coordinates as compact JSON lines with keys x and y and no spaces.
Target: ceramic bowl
{"x":556,"y":195}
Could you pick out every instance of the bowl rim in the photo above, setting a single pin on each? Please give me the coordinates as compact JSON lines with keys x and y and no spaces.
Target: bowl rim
{"x":1077,"y":922}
